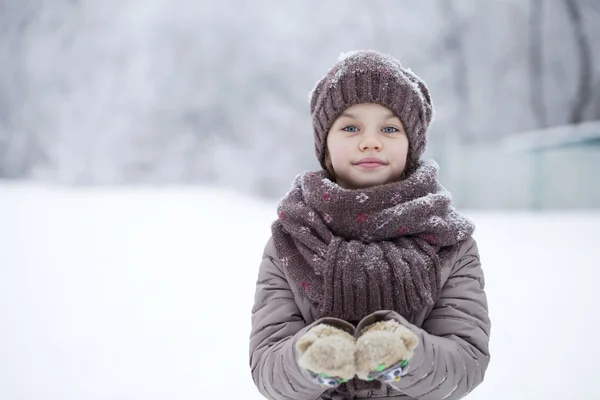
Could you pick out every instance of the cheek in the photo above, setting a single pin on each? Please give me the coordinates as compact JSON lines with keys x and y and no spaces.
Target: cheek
{"x":400,"y":148}
{"x":338,"y":151}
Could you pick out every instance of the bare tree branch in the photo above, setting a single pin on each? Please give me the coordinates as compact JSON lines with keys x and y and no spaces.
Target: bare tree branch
{"x":584,"y":90}
{"x":536,"y":63}
{"x":596,"y":104}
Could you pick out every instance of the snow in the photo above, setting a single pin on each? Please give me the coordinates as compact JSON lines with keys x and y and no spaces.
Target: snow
{"x":347,"y":54}
{"x":145,"y":293}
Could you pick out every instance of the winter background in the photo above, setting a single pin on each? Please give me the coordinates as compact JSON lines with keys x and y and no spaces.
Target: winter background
{"x":144,"y":146}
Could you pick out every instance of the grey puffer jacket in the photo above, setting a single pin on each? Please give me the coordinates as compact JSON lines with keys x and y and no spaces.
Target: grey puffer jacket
{"x":449,"y":362}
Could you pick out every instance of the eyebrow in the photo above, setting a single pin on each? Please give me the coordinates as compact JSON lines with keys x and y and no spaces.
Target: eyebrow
{"x":350,"y":115}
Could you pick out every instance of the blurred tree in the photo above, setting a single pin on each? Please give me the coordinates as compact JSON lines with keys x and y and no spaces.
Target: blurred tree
{"x":216,"y":91}
{"x":21,"y":148}
{"x":584,"y":88}
{"x":536,"y":62}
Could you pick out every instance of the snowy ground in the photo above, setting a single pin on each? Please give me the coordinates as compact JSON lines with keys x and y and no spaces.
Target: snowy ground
{"x":143,"y":294}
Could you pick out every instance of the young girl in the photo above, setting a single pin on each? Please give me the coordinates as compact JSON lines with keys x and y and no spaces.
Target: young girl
{"x":371,"y":285}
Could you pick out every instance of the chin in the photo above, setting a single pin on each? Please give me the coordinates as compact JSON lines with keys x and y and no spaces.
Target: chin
{"x":366,"y":183}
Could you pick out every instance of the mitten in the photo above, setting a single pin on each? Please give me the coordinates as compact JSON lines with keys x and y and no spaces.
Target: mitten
{"x":383,"y":351}
{"x":326,"y":353}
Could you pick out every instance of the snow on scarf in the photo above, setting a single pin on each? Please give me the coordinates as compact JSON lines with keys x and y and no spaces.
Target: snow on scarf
{"x":357,"y":251}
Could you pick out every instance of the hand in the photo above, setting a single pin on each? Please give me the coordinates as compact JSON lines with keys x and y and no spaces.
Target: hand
{"x":327,"y":354}
{"x":383,"y":351}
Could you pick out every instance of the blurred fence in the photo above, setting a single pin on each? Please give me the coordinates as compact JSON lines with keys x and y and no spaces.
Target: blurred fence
{"x":555,"y":168}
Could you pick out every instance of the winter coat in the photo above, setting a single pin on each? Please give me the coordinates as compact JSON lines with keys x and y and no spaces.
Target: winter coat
{"x":449,"y":362}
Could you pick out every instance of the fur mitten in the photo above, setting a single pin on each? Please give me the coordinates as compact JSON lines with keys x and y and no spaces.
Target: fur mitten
{"x":383,"y":350}
{"x":326,"y":353}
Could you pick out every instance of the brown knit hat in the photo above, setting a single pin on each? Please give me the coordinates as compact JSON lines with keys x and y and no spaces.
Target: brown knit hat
{"x":367,"y":76}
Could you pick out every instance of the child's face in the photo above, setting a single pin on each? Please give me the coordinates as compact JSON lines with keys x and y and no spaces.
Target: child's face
{"x":363,"y":132}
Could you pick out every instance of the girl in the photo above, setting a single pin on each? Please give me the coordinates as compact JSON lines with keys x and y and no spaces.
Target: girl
{"x":371,"y":285}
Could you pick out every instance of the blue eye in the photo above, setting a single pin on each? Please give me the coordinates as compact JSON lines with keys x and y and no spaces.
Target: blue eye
{"x":390,"y":129}
{"x":350,"y":128}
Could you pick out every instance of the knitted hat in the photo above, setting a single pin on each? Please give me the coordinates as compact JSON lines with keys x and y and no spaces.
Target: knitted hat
{"x":367,"y":76}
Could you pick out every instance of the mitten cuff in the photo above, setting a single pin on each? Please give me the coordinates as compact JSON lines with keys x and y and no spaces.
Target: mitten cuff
{"x":391,"y":374}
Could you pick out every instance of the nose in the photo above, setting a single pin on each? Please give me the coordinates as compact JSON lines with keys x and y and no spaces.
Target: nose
{"x":370,"y":141}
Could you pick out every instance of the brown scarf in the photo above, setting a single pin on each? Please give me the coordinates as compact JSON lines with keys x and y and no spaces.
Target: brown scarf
{"x":357,"y":251}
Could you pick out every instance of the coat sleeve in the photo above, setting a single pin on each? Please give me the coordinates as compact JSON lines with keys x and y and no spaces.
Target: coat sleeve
{"x":277,"y":324}
{"x":453,"y":353}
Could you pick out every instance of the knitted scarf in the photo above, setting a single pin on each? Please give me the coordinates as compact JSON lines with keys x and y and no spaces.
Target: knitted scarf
{"x":357,"y":251}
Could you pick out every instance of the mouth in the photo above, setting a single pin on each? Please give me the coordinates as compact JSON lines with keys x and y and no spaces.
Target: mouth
{"x":370,"y":163}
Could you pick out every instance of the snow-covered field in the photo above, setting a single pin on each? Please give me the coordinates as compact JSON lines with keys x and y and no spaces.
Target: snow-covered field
{"x":145,"y":293}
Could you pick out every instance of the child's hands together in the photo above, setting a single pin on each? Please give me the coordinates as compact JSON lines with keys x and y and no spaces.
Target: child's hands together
{"x":333,"y":356}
